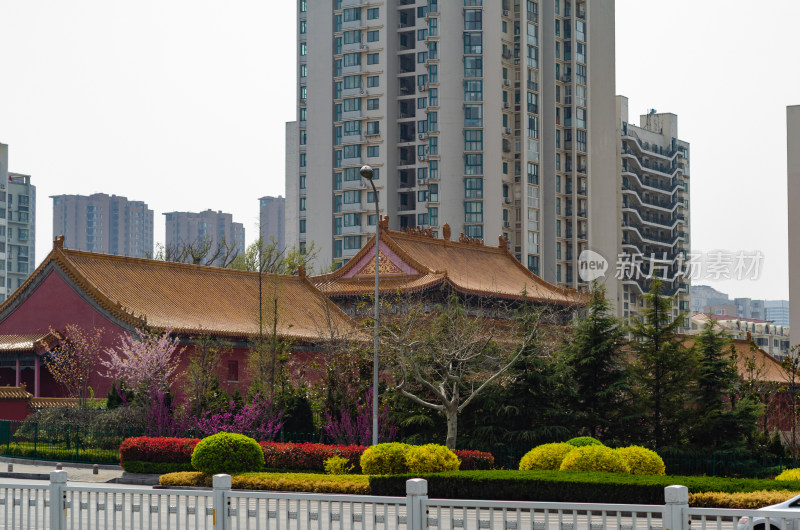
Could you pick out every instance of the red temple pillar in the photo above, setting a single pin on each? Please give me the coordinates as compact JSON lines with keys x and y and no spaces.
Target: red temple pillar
{"x":36,"y":365}
{"x":18,"y":378}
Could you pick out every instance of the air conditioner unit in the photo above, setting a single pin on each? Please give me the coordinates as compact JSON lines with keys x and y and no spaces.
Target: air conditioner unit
{"x":508,"y":131}
{"x":363,"y":47}
{"x":421,"y":158}
{"x":506,"y":224}
{"x":421,"y":136}
{"x":507,"y":82}
{"x":507,"y":200}
{"x":506,"y":105}
{"x":363,"y":91}
{"x":422,"y":88}
{"x":506,"y":13}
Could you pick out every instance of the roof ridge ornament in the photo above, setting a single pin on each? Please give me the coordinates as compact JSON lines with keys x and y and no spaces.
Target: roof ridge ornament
{"x":418,"y":231}
{"x":384,"y":222}
{"x":58,"y":242}
{"x":503,"y":245}
{"x":301,"y":272}
{"x":470,"y":240}
{"x":446,"y":232}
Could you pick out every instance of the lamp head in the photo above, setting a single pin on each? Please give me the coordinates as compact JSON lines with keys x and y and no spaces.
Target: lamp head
{"x":366,"y":172}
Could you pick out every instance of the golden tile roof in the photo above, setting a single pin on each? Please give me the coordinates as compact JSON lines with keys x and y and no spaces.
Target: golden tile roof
{"x":767,"y":368}
{"x":15,"y":343}
{"x":51,"y":402}
{"x":193,"y":298}
{"x":14,"y":392}
{"x":470,"y":268}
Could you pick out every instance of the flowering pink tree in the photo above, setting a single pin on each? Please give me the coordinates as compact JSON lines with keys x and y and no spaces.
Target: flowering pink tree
{"x":256,"y":418}
{"x":147,"y":362}
{"x":72,"y":358}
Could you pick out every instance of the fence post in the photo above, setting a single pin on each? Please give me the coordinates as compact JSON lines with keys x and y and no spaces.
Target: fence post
{"x":676,"y":498}
{"x":416,"y":492}
{"x":58,"y":511}
{"x":222,"y":486}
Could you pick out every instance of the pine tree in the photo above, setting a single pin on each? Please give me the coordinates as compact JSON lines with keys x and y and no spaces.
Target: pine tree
{"x":600,"y":379}
{"x":663,"y":369}
{"x":719,"y":422}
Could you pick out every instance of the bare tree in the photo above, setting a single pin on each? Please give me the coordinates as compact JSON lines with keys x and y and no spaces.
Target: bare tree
{"x":72,"y":357}
{"x":445,"y":357}
{"x":201,"y":251}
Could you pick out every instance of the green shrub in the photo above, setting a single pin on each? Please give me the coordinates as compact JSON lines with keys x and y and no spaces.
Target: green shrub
{"x":385,"y":459}
{"x":595,"y":458}
{"x":431,"y":458}
{"x":227,"y":453}
{"x":642,"y":461}
{"x":547,"y":456}
{"x":306,"y":482}
{"x":338,"y":465}
{"x":583,"y":441}
{"x":789,"y":474}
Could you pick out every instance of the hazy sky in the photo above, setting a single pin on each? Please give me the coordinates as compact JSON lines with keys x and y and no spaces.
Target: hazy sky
{"x":182,"y":104}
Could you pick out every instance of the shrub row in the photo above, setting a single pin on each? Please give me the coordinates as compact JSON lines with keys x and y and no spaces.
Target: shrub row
{"x":566,"y":486}
{"x":155,"y":468}
{"x":303,"y":482}
{"x":752,"y":500}
{"x":136,"y":452}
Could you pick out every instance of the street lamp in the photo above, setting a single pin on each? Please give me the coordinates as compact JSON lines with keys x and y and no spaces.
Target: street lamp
{"x":367,"y":173}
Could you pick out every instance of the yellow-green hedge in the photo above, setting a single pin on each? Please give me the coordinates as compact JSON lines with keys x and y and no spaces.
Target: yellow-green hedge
{"x":789,"y":474}
{"x":547,"y":456}
{"x":750,"y":500}
{"x":305,"y":482}
{"x":595,"y":458}
{"x":641,"y":461}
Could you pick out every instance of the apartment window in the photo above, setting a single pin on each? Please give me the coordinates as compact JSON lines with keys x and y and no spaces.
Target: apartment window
{"x":373,"y":104}
{"x":473,"y":43}
{"x":422,"y":218}
{"x":303,"y":92}
{"x":352,"y":37}
{"x":302,"y":226}
{"x":533,"y":35}
{"x":373,"y":127}
{"x":422,"y":57}
{"x":337,"y":134}
{"x":373,"y":13}
{"x":473,"y":188}
{"x":373,"y":151}
{"x":433,"y":50}
{"x":580,"y":72}
{"x":473,"y":164}
{"x":351,"y":151}
{"x":422,"y":34}
{"x":351,"y":219}
{"x":473,"y":140}
{"x":533,"y":127}
{"x":303,"y":7}
{"x":373,"y":81}
{"x":302,"y":182}
{"x":352,"y":59}
{"x":370,"y":197}
{"x":580,"y":118}
{"x":352,"y":81}
{"x":580,"y":52}
{"x":433,"y":192}
{"x":351,"y":14}
{"x":303,"y":49}
{"x":373,"y":58}
{"x":351,"y":174}
{"x":473,"y":66}
{"x":581,"y":139}
{"x":302,"y":27}
{"x":533,"y":264}
{"x":473,"y":115}
{"x":303,"y":70}
{"x":433,"y":145}
{"x":533,"y":102}
{"x":302,"y":137}
{"x":533,"y":198}
{"x":351,"y":197}
{"x":337,"y":248}
{"x":473,"y":90}
{"x":473,"y":19}
{"x":302,"y":204}
{"x":433,"y":26}
{"x":302,"y":160}
{"x":422,"y":103}
{"x":433,"y":169}
{"x":433,"y":73}
{"x":352,"y":127}
{"x":352,"y":242}
{"x":433,"y":216}
{"x":373,"y":36}
{"x":473,"y":212}
{"x":371,"y":220}
{"x":351,"y":104}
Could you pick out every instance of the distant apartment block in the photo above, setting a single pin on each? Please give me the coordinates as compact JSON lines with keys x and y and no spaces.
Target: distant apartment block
{"x":103,"y":223}
{"x":272,"y":219}
{"x":772,"y":338}
{"x":208,"y":227}
{"x":749,"y":308}
{"x":17,"y":227}
{"x":655,"y":224}
{"x":777,"y":311}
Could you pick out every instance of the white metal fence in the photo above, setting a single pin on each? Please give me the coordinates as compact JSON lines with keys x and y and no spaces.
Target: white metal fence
{"x":60,"y":506}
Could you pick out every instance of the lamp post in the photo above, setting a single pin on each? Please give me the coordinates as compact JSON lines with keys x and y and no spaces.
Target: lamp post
{"x":367,"y":173}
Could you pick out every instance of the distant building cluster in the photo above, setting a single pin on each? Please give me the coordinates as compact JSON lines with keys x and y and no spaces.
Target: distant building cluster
{"x":17,"y":227}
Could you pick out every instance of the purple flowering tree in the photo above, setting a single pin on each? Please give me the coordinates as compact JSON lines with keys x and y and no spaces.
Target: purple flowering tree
{"x":257,"y":419}
{"x":357,"y":429}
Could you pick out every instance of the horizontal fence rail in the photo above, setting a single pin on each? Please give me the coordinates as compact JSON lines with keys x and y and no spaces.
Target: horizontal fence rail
{"x":60,"y":506}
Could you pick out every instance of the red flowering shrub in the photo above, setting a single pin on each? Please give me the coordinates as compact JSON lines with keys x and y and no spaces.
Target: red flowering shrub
{"x":147,"y":449}
{"x":308,"y":456}
{"x":475,"y":459}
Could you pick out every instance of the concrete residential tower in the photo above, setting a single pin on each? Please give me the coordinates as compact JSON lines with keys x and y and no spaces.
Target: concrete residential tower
{"x":17,"y":227}
{"x":204,"y":228}
{"x":103,"y":223}
{"x":496,"y":117}
{"x":793,"y":180}
{"x":272,"y":218}
{"x":655,"y":209}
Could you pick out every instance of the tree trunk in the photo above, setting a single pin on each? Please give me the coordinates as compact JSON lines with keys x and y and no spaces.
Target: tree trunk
{"x":452,"y":427}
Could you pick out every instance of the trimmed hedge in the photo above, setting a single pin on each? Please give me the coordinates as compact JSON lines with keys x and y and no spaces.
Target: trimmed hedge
{"x":156,"y":468}
{"x":146,"y":449}
{"x":227,"y":452}
{"x":475,"y":460}
{"x":745,"y":501}
{"x":308,"y":456}
{"x":304,"y":482}
{"x":565,"y":486}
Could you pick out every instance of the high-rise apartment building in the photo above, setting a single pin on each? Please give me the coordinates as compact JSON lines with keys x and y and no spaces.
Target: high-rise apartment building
{"x":496,"y":117}
{"x":209,"y":228}
{"x":272,"y":218}
{"x":17,"y":227}
{"x":777,"y":311}
{"x":793,"y":185}
{"x":103,"y":223}
{"x":655,"y":210}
